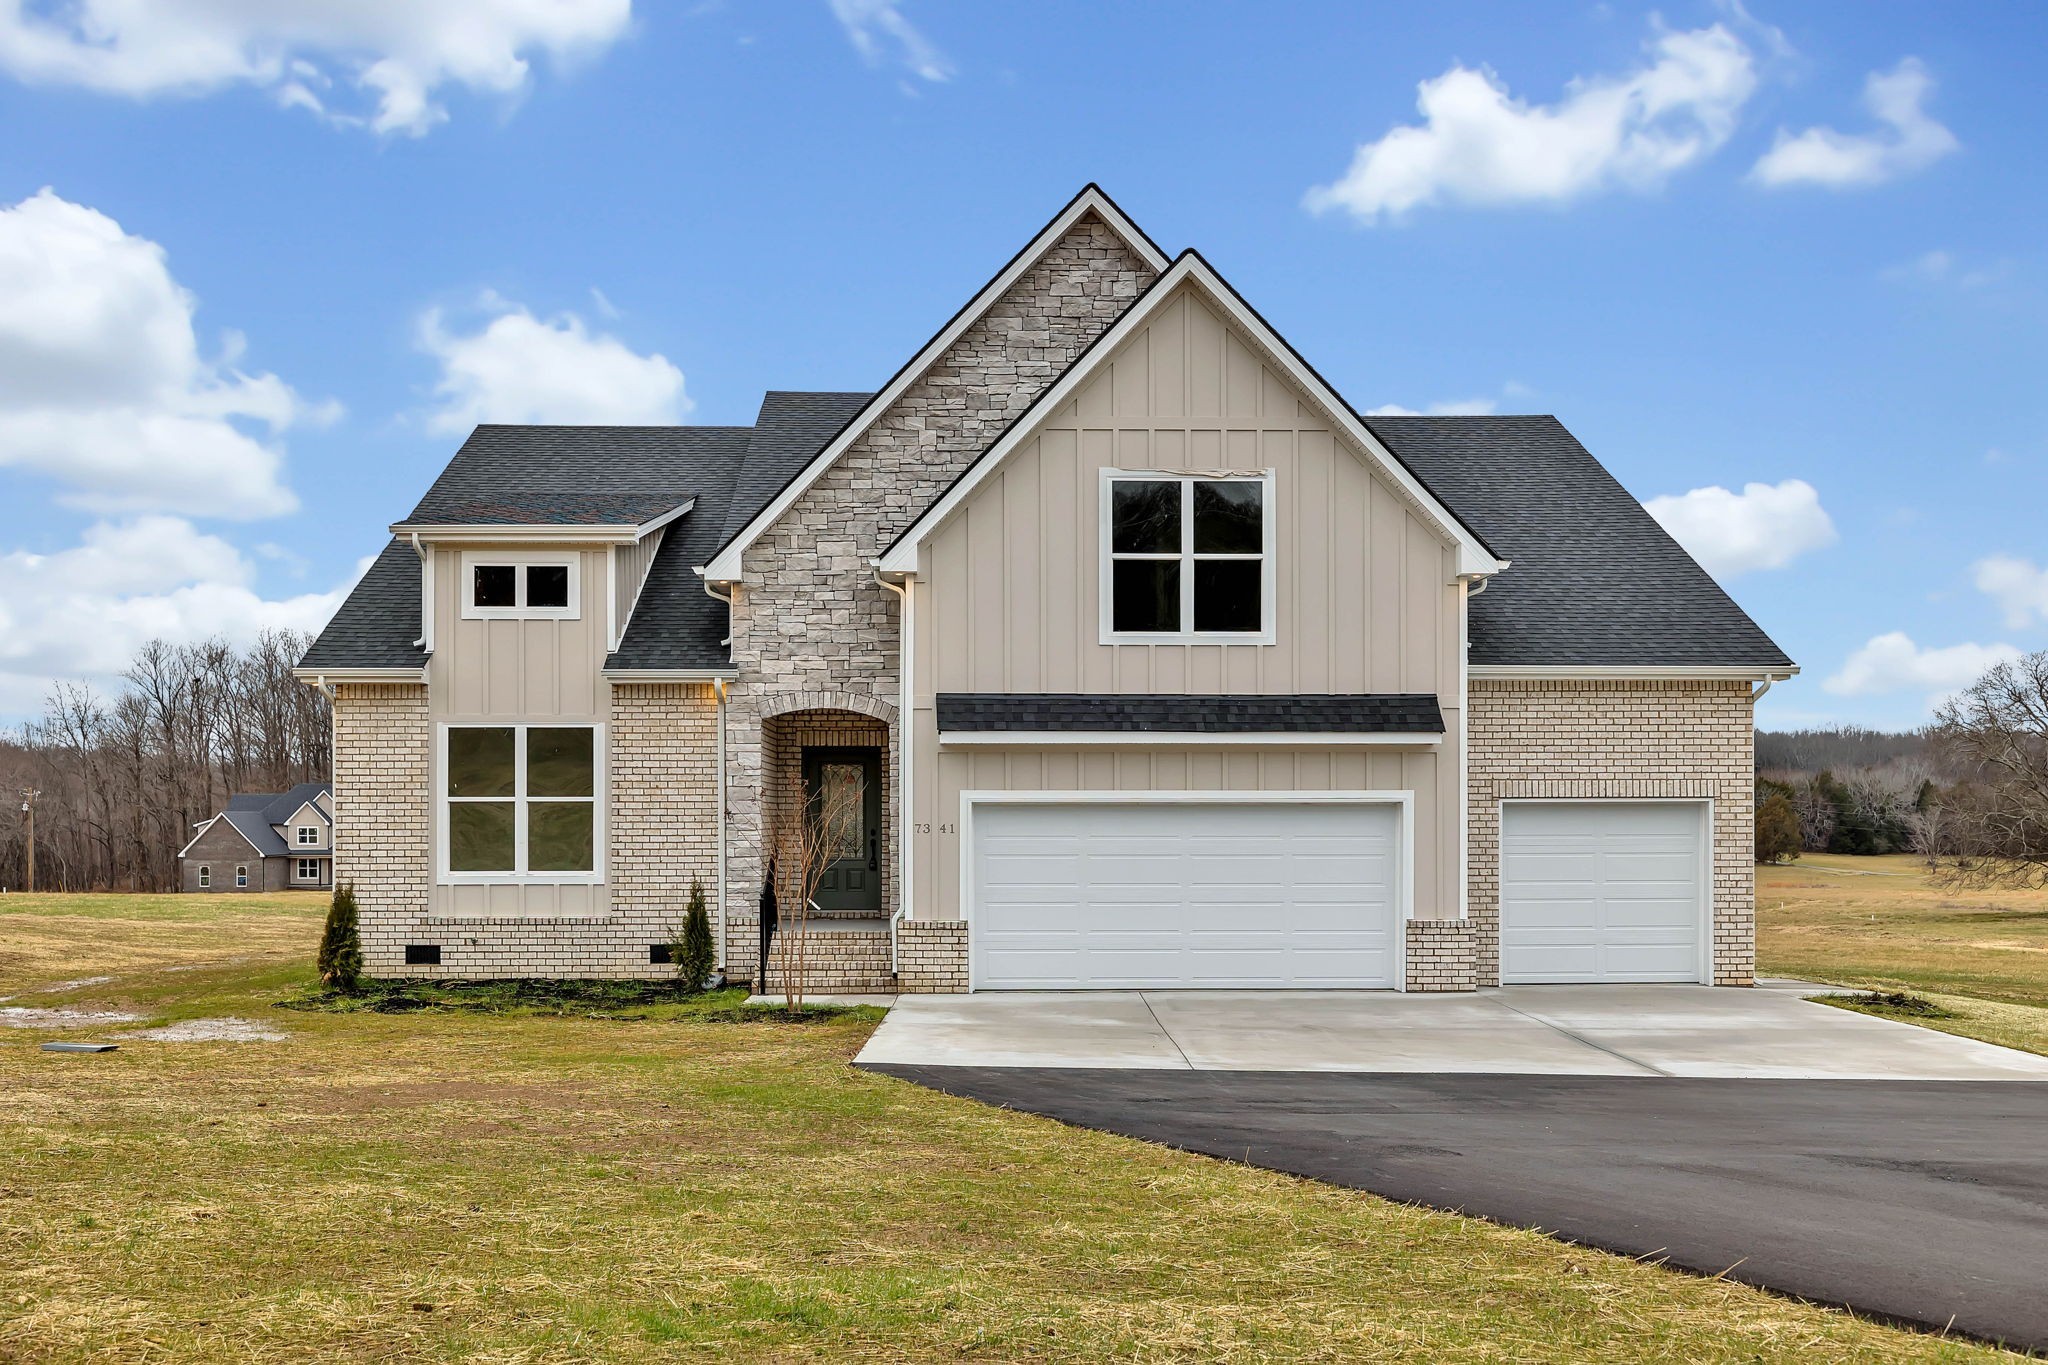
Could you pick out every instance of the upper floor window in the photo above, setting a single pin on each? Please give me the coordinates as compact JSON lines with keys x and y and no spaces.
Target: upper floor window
{"x":526,"y":585}
{"x":520,"y":802}
{"x":1187,"y":558}
{"x":309,"y":834}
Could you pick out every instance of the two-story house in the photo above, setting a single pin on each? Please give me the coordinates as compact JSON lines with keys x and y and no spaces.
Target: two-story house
{"x":264,"y":841}
{"x":1156,"y":662}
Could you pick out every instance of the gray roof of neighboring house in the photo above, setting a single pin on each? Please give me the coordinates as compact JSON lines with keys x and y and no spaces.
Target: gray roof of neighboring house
{"x":1014,"y":712}
{"x":253,"y":813}
{"x":1594,"y":580}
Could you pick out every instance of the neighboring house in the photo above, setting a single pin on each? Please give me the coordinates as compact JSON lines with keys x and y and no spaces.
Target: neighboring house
{"x":1158,"y":663}
{"x":277,"y":841}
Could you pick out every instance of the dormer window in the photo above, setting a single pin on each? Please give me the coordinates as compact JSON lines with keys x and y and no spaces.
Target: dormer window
{"x":528,"y":585}
{"x":309,"y":834}
{"x":1187,"y":558}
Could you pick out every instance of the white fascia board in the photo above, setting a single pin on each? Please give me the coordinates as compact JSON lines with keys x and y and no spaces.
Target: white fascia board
{"x":725,"y":565}
{"x":1139,"y":739}
{"x":669,"y":674}
{"x":200,"y":833}
{"x":524,"y":533}
{"x":1474,"y":560}
{"x":231,"y":825}
{"x":1624,"y":673}
{"x":334,"y":676}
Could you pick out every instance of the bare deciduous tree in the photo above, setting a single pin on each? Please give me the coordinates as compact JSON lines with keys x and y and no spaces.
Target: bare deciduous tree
{"x":813,"y":830}
{"x":1993,"y":830}
{"x":124,"y":780}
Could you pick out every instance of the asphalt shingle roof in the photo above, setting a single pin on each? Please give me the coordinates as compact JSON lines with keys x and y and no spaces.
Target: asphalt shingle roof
{"x":1402,"y":713}
{"x":1594,"y":580}
{"x":376,"y":626}
{"x":566,"y":476}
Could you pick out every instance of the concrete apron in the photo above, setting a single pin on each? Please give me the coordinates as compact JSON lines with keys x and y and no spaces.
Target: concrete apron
{"x":1623,"y":1030}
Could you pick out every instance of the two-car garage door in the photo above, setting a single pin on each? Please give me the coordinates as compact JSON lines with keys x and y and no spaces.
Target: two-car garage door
{"x":1603,"y":891}
{"x":1185,"y":893}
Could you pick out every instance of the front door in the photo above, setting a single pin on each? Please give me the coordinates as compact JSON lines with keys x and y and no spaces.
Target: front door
{"x":853,"y":880}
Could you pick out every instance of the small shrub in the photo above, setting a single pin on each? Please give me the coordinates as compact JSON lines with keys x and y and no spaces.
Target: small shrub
{"x":1893,"y":1005}
{"x":694,"y":955}
{"x":340,"y":959}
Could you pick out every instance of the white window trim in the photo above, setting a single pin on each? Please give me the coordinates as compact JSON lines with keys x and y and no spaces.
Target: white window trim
{"x":521,"y":560}
{"x":1268,"y":578}
{"x":1402,"y":800}
{"x":299,"y":839}
{"x":299,"y":866}
{"x":205,"y":877}
{"x":519,"y":876}
{"x":241,"y":876}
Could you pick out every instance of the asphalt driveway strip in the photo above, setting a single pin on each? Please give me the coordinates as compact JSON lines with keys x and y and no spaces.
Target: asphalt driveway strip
{"x":1921,"y":1202}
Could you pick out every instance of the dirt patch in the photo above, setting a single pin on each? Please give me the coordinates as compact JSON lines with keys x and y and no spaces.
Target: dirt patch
{"x":227,"y":1030}
{"x":20,"y":1016}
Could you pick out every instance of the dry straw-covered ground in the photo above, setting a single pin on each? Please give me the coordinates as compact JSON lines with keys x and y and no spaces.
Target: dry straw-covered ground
{"x":665,"y":1184}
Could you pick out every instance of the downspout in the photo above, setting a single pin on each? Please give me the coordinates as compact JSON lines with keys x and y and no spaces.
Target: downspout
{"x":718,"y":688}
{"x":905,"y":643}
{"x":426,"y":590}
{"x":1762,"y":688}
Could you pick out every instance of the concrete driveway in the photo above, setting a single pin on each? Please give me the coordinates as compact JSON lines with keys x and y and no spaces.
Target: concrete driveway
{"x":1694,"y":1031}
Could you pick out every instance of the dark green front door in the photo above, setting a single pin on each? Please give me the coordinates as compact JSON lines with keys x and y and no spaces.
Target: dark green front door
{"x":853,"y":881}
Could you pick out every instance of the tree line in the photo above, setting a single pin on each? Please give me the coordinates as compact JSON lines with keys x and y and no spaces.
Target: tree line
{"x":122,"y":780}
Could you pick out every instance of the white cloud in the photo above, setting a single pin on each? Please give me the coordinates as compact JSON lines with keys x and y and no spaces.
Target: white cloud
{"x":1942,"y":267}
{"x":395,"y":55}
{"x":81,"y":613}
{"x":1893,"y":663}
{"x":519,"y":368}
{"x":2019,"y":586}
{"x":102,"y":384}
{"x":1910,"y":140}
{"x":1455,"y":407}
{"x":1765,"y":526}
{"x":1478,"y":144}
{"x":879,"y":33}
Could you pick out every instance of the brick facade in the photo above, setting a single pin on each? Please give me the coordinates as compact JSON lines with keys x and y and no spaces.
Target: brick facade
{"x":931,"y":956}
{"x":1690,"y":740}
{"x":809,"y":619}
{"x":661,"y":834}
{"x":1443,"y":955}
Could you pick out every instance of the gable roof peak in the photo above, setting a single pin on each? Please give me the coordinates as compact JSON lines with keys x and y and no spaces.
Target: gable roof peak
{"x":1091,"y":201}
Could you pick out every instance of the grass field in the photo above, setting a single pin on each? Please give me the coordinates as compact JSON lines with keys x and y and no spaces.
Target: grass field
{"x":1878,"y":922}
{"x":514,"y":1187}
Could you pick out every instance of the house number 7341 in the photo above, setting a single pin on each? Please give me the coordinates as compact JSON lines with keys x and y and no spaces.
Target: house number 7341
{"x":924,"y":828}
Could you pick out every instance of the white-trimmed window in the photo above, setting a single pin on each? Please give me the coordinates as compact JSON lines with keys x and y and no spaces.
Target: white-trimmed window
{"x":309,"y":836}
{"x":308,"y":869}
{"x":205,"y":877}
{"x":1187,"y":557}
{"x":241,"y":875}
{"x":519,"y":803}
{"x":530,"y":584}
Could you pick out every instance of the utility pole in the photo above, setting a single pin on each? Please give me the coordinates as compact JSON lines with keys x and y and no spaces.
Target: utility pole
{"x":28,"y":809}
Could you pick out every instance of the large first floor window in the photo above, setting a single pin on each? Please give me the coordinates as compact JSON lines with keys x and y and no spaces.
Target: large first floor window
{"x":520,"y":802}
{"x":1187,"y":558}
{"x":309,"y":869}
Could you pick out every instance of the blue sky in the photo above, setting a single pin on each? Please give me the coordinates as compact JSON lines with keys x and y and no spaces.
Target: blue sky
{"x":256,"y":277}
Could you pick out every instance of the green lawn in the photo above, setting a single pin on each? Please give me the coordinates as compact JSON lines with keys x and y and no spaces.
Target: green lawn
{"x":1880,"y":923}
{"x":517,"y":1187}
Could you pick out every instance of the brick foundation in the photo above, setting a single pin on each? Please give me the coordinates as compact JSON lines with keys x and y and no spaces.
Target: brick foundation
{"x":1442,"y":955}
{"x":931,"y":956}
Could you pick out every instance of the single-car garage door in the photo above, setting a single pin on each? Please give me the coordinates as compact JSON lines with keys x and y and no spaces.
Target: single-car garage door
{"x":1603,"y":891}
{"x":1196,"y":894}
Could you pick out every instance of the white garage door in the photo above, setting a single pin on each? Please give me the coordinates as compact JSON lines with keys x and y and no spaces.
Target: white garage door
{"x":1185,"y":894}
{"x":1602,"y":891}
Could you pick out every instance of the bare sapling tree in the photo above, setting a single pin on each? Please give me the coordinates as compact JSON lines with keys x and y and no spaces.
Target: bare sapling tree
{"x":1993,"y":829}
{"x":814,"y":830}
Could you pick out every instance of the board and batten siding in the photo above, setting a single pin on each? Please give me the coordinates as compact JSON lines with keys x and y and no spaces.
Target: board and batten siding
{"x":532,"y":671}
{"x":631,"y":563}
{"x":1008,"y":591}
